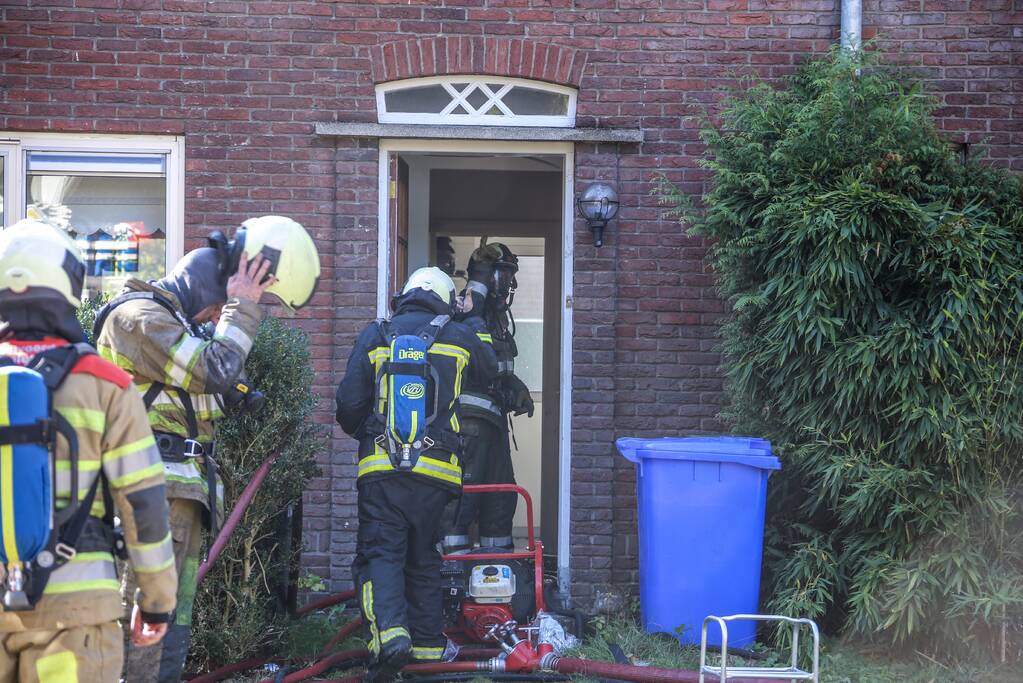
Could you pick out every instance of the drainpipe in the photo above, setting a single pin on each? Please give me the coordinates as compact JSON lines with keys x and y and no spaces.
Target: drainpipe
{"x":852,"y":25}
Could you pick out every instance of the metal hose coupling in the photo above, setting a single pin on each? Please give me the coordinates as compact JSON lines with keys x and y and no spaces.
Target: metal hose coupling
{"x":549,"y":662}
{"x":494,"y":665}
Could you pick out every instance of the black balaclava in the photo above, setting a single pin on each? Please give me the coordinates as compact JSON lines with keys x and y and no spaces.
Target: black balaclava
{"x":196,"y":281}
{"x":419,"y":299}
{"x":39,"y":314}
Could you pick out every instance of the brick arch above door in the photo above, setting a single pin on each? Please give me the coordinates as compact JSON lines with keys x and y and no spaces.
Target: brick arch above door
{"x":491,"y":56}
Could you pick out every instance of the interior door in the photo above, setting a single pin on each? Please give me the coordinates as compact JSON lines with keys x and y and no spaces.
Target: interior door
{"x":399,"y":223}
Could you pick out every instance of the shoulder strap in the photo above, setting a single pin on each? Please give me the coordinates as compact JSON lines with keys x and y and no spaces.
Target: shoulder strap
{"x":432,"y":329}
{"x":56,"y":364}
{"x":108,"y":308}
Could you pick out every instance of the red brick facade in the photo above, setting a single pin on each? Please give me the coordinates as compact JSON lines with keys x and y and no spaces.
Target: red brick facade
{"x":245,"y":82}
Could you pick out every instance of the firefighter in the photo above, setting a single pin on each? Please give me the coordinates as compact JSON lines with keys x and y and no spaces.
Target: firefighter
{"x":160,"y":333}
{"x":407,"y":474}
{"x":72,"y":634}
{"x":485,"y":405}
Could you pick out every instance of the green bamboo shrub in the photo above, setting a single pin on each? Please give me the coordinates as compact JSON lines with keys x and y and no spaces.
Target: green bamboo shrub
{"x":875,"y":338}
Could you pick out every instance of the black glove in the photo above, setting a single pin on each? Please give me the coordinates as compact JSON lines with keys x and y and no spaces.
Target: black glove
{"x":518,"y":399}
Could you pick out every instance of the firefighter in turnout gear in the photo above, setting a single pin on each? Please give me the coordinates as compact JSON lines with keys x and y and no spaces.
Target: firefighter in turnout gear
{"x":398,"y":398}
{"x":71,"y":633}
{"x":486,"y":402}
{"x":160,"y":333}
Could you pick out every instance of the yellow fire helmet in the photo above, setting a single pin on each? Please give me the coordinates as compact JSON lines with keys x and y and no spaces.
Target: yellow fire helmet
{"x":432,"y":279}
{"x":39,"y":259}
{"x":289,"y":248}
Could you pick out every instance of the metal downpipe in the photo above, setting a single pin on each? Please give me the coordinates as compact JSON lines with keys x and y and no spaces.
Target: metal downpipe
{"x":852,"y":25}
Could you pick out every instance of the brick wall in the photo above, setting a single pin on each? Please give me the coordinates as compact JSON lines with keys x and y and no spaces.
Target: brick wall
{"x":245,"y":82}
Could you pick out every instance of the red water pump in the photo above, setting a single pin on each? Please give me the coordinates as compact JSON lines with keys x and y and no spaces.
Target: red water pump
{"x":485,"y":589}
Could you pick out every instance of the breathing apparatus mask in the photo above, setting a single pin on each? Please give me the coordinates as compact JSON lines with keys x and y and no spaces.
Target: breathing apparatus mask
{"x":502,"y":283}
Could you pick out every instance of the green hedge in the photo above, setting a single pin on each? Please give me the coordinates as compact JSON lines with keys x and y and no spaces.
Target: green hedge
{"x":877,"y":298}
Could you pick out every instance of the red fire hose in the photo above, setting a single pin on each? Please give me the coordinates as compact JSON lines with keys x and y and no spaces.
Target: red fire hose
{"x":346,"y":630}
{"x":325,"y":664}
{"x":236,"y":516}
{"x":327,"y":601}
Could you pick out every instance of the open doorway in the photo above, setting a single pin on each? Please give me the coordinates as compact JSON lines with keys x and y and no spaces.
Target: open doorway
{"x":517,"y":198}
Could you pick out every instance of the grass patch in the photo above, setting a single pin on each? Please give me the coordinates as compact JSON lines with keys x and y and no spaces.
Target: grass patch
{"x":840,"y":662}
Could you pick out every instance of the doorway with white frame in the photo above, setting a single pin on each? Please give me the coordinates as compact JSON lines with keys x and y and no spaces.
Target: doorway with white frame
{"x":519,"y":194}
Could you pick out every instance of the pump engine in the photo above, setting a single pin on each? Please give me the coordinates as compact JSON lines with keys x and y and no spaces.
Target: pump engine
{"x":479,"y":596}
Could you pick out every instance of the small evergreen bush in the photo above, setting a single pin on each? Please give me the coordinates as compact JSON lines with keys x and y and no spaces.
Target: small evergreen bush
{"x":876,"y":286}
{"x":240,"y":609}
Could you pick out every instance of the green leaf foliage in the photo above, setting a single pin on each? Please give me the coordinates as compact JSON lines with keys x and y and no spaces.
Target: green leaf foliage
{"x":241,"y":607}
{"x":876,"y":283}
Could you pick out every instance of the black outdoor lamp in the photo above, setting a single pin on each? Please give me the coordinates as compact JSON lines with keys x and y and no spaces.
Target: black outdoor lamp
{"x":598,"y":204}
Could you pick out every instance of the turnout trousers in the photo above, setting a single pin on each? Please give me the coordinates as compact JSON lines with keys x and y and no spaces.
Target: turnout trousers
{"x":78,"y":654}
{"x":397,"y":565}
{"x":165,"y":661}
{"x":486,"y":460}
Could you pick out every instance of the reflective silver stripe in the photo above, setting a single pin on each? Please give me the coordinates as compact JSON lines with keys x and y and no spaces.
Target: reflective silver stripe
{"x":86,"y":572}
{"x":440,"y":470}
{"x":480,"y":402}
{"x":152,"y":557}
{"x":120,"y":467}
{"x":177,"y":370}
{"x":456,"y":540}
{"x":506,"y":366}
{"x":225,"y":330}
{"x":477,"y":287}
{"x":496,"y":541}
{"x":184,"y":472}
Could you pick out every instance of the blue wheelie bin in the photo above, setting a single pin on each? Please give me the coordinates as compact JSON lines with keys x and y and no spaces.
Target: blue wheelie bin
{"x":701,"y":531}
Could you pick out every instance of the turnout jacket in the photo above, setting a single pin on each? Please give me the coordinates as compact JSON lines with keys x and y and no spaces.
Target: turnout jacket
{"x":456,"y":354}
{"x":114,"y":438}
{"x":146,"y":340}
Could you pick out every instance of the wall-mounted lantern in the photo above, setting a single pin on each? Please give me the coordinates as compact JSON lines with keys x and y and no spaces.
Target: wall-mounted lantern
{"x":598,"y":204}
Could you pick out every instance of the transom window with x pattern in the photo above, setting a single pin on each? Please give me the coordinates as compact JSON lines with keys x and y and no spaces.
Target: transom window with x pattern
{"x":478,"y":101}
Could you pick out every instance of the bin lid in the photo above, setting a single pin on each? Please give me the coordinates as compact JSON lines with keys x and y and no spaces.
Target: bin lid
{"x":742,"y":450}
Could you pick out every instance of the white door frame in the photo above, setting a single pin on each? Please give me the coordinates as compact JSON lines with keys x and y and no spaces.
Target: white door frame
{"x":487,"y":147}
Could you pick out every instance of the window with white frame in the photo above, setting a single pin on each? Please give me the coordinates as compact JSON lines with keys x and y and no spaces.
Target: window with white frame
{"x":119,"y":198}
{"x":476,"y":100}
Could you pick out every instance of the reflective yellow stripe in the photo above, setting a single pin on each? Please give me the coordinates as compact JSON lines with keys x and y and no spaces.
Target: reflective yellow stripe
{"x":152,"y":557}
{"x":427,"y":653}
{"x":83,"y":465}
{"x":392,"y":633}
{"x":60,"y":667}
{"x":484,"y":337}
{"x":75,"y":586}
{"x":438,"y":469}
{"x":138,"y":475}
{"x":451,"y":350}
{"x":132,"y":447}
{"x":117,"y":359}
{"x":7,"y":479}
{"x":367,"y":608}
{"x":375,"y":463}
{"x":183,"y":356}
{"x":85,"y":418}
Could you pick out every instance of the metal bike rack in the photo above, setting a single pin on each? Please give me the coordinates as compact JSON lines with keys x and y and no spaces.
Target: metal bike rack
{"x":793,"y":673}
